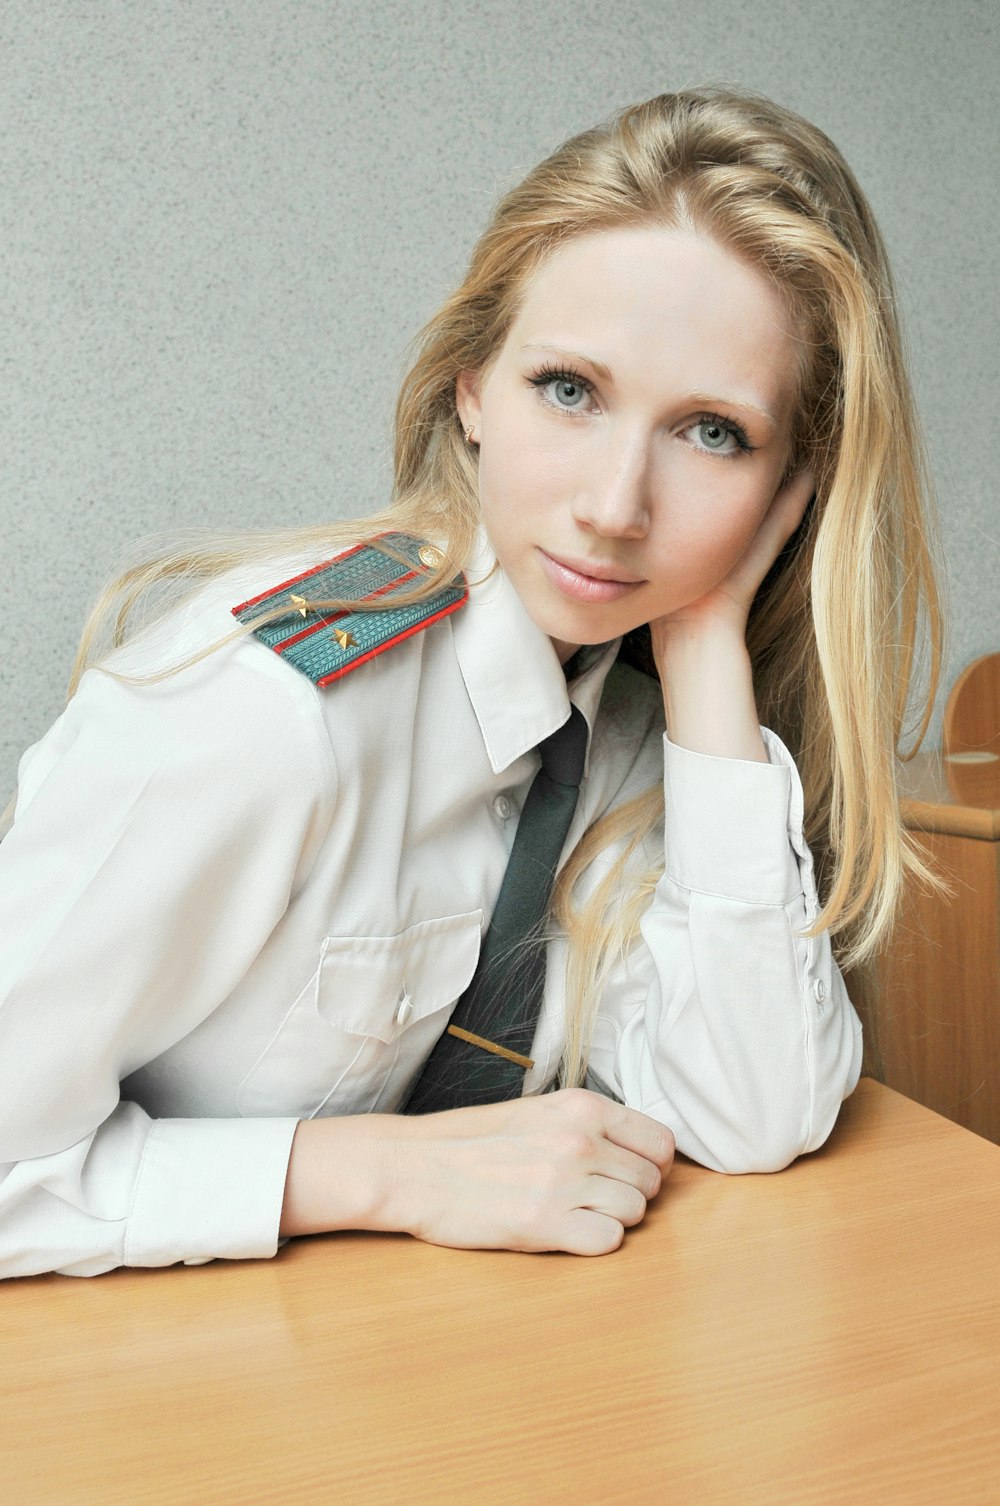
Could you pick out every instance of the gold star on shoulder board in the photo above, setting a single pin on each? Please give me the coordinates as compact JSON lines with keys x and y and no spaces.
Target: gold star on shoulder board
{"x":345,"y":639}
{"x":299,"y":603}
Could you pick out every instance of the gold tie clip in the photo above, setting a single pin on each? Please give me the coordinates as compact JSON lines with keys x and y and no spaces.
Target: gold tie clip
{"x":485,"y":1045}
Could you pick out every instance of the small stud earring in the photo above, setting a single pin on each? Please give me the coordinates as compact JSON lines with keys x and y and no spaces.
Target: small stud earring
{"x":468,"y":435}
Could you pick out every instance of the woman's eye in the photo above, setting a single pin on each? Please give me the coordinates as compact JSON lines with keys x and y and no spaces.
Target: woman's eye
{"x":721,"y":438}
{"x":563,"y":390}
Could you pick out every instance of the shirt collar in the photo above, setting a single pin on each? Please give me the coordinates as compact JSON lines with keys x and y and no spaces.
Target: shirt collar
{"x":511,"y":670}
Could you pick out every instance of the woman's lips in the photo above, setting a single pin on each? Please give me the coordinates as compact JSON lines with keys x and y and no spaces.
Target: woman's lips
{"x":583,"y":580}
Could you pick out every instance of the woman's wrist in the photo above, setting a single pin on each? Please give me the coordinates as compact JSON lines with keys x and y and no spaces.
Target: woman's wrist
{"x":708,"y":693}
{"x":345,"y":1173}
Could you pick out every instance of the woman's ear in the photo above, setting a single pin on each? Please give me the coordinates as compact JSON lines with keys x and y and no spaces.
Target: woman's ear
{"x":467,"y":402}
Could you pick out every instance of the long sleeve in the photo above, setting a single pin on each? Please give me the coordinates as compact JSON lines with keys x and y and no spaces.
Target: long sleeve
{"x":160,"y":831}
{"x":725,"y":1022}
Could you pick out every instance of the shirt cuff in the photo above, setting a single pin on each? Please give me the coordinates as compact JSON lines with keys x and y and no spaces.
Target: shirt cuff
{"x":208,"y":1188}
{"x":727,"y":823}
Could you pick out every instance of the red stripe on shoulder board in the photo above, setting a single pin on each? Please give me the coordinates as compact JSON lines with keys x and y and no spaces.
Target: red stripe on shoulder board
{"x":380,"y":648}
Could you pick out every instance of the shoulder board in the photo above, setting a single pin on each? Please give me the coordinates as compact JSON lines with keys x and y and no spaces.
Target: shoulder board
{"x":325,"y":645}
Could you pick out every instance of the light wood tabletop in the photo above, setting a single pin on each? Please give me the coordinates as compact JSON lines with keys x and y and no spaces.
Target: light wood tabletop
{"x":829,"y":1334}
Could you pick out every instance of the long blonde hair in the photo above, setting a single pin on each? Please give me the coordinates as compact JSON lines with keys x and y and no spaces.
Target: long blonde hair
{"x":835,"y":629}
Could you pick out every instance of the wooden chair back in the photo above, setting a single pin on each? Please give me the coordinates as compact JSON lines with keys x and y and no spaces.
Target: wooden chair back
{"x":972,"y":715}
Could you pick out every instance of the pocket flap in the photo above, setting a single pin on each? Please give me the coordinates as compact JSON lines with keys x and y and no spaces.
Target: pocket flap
{"x":363,"y":980}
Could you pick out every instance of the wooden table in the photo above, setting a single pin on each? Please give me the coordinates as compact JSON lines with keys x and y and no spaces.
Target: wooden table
{"x":827,"y":1335}
{"x":939,"y":983}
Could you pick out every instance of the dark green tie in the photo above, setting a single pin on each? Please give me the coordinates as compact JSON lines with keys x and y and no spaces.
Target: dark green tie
{"x":483,"y":1054}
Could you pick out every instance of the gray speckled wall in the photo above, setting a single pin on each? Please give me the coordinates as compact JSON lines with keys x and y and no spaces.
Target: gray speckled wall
{"x":222,"y":222}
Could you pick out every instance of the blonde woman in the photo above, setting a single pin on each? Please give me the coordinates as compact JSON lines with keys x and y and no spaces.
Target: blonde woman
{"x":656,"y":479}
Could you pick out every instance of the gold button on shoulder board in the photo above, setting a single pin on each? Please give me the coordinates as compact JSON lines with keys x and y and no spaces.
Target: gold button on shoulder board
{"x":430,"y":556}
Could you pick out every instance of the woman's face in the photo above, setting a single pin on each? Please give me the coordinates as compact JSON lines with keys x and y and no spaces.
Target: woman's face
{"x":633,"y":429}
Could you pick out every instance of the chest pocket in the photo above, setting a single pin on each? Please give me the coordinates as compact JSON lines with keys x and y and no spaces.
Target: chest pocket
{"x":365,"y":1021}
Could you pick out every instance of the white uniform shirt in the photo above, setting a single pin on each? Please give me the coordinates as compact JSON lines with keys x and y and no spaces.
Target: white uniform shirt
{"x":231,"y":901}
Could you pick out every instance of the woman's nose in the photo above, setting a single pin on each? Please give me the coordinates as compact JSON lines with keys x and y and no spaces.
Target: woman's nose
{"x":613,"y":497}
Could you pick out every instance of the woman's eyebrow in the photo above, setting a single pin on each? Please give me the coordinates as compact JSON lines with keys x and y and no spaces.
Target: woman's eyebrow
{"x":735,"y":400}
{"x":604,"y":372}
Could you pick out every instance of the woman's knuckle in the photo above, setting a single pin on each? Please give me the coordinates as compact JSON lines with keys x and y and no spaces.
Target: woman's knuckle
{"x":574,"y":1144}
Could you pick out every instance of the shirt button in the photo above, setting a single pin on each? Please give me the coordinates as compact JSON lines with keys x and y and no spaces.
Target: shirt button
{"x":501,"y":806}
{"x":403,"y":1010}
{"x":819,"y":989}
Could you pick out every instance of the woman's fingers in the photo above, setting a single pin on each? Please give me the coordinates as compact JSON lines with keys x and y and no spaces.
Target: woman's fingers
{"x":619,"y":1200}
{"x":636,"y":1132}
{"x":781,"y":520}
{"x":618,"y":1165}
{"x":565,"y":1171}
{"x":588,"y":1233}
{"x":785,"y":514}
